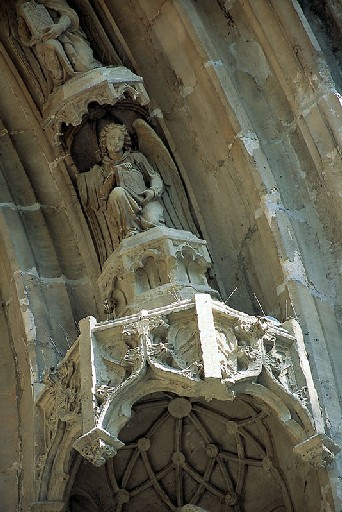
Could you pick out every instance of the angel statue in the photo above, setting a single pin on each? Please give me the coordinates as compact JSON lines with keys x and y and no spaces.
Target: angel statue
{"x":131,"y":191}
{"x":52,"y":29}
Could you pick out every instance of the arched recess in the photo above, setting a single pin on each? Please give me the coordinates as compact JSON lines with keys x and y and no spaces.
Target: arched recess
{"x":218,"y":455}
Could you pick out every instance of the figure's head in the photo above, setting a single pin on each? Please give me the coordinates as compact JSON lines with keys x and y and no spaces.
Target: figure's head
{"x":113,"y":139}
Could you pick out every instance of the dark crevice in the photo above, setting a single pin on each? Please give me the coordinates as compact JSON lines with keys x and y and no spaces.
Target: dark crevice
{"x":325,"y":20}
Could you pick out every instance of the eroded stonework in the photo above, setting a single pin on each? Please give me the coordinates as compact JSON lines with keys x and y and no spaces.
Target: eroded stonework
{"x":182,"y":452}
{"x":148,"y":212}
{"x":154,"y":269}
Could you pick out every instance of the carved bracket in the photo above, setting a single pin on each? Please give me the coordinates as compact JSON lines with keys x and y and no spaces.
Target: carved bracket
{"x":196,"y":348}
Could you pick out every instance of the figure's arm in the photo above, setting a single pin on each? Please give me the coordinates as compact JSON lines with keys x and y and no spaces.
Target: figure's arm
{"x":153,"y":177}
{"x":107,"y":186}
{"x":53,"y":32}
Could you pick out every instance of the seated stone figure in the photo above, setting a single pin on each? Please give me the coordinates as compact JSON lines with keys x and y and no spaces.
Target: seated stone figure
{"x":52,"y":29}
{"x":124,"y":186}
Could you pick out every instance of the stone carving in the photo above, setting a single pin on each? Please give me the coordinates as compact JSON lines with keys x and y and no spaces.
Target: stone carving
{"x":193,"y":348}
{"x":117,"y":188}
{"x":52,"y":29}
{"x":65,"y":386}
{"x":69,"y":104}
{"x":186,"y":349}
{"x":59,"y":404}
{"x":120,"y":357}
{"x":319,"y":450}
{"x":278,"y":360}
{"x":176,"y":346}
{"x":228,"y":350}
{"x":28,"y":65}
{"x":96,"y":448}
{"x":197,"y":469}
{"x":131,"y":191}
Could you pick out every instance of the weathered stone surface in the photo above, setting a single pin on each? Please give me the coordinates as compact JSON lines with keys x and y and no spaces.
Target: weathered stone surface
{"x":246,"y":101}
{"x":196,"y":348}
{"x":69,"y":103}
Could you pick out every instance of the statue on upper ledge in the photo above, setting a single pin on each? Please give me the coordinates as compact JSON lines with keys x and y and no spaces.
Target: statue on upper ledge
{"x":125,"y":185}
{"x":131,"y":191}
{"x":52,"y":29}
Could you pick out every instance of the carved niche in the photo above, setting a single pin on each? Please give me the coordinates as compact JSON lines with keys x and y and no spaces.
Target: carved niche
{"x":129,"y":183}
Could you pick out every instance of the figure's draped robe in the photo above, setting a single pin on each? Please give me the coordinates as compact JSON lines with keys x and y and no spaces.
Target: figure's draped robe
{"x":120,"y":213}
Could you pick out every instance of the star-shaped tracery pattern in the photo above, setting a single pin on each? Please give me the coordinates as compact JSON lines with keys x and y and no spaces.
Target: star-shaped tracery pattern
{"x":181,"y":451}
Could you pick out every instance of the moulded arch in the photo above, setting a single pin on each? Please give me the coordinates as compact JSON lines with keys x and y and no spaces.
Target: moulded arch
{"x":42,"y":230}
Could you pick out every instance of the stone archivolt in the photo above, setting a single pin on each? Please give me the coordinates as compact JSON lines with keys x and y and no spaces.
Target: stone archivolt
{"x":170,"y":351}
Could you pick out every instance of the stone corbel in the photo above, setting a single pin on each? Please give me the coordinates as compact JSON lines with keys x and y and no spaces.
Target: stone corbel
{"x":319,"y":450}
{"x":152,"y":351}
{"x":197,"y":347}
{"x":97,"y":446}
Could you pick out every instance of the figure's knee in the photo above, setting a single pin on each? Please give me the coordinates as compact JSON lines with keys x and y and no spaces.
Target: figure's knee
{"x":52,"y":44}
{"x":153,"y":214}
{"x":118,"y":194}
